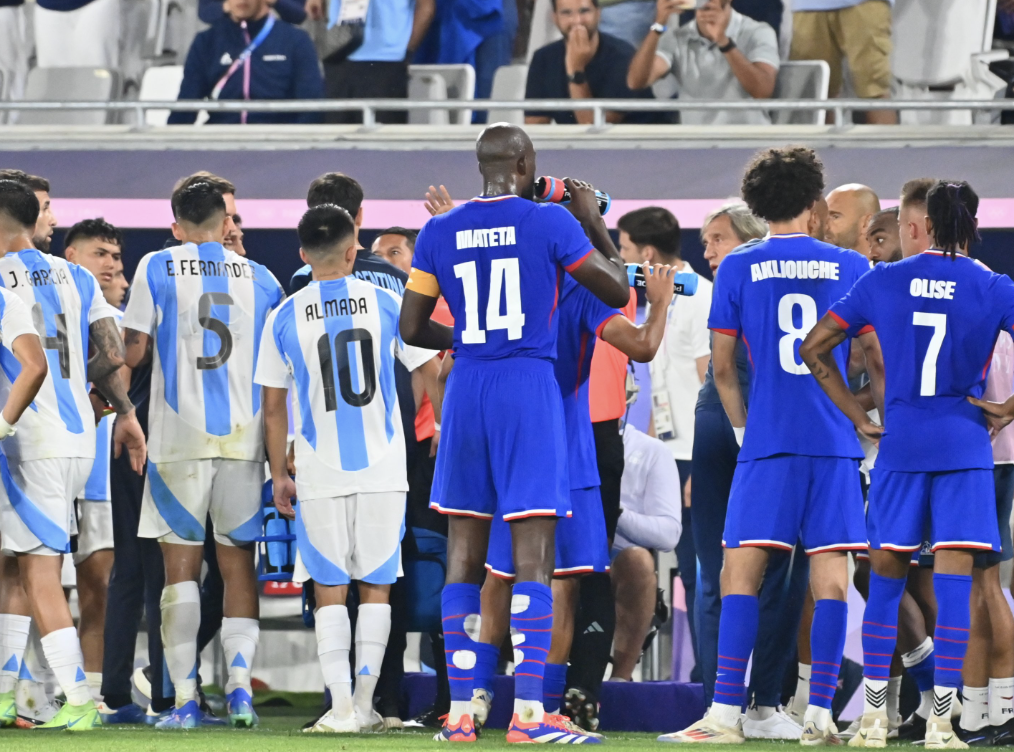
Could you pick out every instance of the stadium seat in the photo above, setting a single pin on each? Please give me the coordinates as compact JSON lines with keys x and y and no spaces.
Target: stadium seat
{"x":509,"y":83}
{"x":441,"y":82}
{"x":160,"y":83}
{"x":544,"y":28}
{"x":69,"y":84}
{"x":801,"y":79}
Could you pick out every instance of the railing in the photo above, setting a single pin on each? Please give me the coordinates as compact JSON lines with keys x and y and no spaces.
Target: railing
{"x":599,"y":107}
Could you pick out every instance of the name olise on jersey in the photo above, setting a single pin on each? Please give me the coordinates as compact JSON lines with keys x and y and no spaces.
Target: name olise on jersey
{"x":204,"y":268}
{"x":790,"y":269}
{"x":941,"y":289}
{"x":494,"y":236}
{"x":341,"y":307}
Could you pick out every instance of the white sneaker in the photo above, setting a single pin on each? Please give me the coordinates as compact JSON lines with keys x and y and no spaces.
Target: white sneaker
{"x":796,"y":714}
{"x":778,"y":725}
{"x":872,"y":731}
{"x":852,"y":730}
{"x":893,"y":724}
{"x":707,"y":731}
{"x":482,"y":701}
{"x":940,"y":734}
{"x":812,"y":736}
{"x":393,"y":723}
{"x":371,"y":723}
{"x":328,"y":724}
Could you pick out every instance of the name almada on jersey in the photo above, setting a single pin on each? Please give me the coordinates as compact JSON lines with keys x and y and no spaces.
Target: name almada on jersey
{"x":793,"y":269}
{"x":487,"y":238}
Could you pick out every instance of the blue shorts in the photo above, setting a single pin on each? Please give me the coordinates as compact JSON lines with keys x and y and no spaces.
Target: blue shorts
{"x":776,"y":501}
{"x":580,"y":539}
{"x":959,"y":505}
{"x":503,"y":448}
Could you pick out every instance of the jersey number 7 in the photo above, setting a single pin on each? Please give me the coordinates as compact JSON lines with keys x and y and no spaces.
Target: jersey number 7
{"x":928,"y":384}
{"x":504,"y":279}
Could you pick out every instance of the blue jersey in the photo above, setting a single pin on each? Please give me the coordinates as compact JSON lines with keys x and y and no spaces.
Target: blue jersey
{"x":937,"y":319}
{"x":582,"y":317}
{"x":771,"y":296}
{"x":498,"y":262}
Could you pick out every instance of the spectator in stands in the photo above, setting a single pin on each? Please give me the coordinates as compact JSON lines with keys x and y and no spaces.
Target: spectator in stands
{"x":849,"y":210}
{"x":249,"y":54}
{"x":378,"y":68}
{"x":585,"y":64}
{"x":721,"y":54}
{"x":77,"y":33}
{"x":14,"y":48}
{"x":628,"y":20}
{"x":858,"y":31}
{"x":650,"y":522}
{"x":290,"y":11}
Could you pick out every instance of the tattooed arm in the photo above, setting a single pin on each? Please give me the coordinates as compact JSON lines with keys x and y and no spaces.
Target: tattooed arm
{"x":817,"y":351}
{"x":104,"y":371}
{"x":138,"y":345}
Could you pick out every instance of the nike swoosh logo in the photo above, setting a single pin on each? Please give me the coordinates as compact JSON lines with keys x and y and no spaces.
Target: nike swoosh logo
{"x":72,"y":724}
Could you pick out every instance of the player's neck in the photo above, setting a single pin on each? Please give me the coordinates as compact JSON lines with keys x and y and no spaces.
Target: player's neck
{"x":199,"y":237}
{"x":797,"y":226}
{"x":15,"y":243}
{"x":502,"y":185}
{"x":325,"y":272}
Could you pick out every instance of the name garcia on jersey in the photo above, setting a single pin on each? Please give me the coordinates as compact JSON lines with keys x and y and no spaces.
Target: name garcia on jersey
{"x":41,"y":277}
{"x":494,"y":236}
{"x":793,"y":269}
{"x":339,"y":307}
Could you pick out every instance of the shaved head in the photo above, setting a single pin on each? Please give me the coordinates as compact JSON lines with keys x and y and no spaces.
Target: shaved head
{"x":506,"y":160}
{"x":883,"y":235}
{"x":850,"y":208}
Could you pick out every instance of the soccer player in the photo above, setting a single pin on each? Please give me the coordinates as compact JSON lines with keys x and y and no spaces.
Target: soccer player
{"x":497,"y":260}
{"x":97,"y":246}
{"x":336,"y":340}
{"x":796,"y":474}
{"x":42,"y":235}
{"x":197,"y":311}
{"x":46,"y":464}
{"x":937,"y":315}
{"x":883,"y":237}
{"x":581,"y":545}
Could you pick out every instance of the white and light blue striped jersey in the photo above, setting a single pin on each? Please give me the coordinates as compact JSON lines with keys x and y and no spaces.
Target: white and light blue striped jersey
{"x":205,"y":308}
{"x":64,"y":299}
{"x":97,"y":486}
{"x":336,"y":341}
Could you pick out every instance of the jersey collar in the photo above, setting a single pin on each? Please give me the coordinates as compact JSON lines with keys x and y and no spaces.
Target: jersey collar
{"x":491,"y":199}
{"x":789,"y":235}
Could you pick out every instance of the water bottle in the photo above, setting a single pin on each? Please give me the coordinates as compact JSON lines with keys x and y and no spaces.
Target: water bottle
{"x":684,"y":283}
{"x":555,"y":191}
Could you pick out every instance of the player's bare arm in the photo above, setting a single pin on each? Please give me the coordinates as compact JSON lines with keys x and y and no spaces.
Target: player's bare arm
{"x":276,"y":429}
{"x":138,"y":347}
{"x":817,"y":352}
{"x":603,"y":273}
{"x":108,"y":356}
{"x":870,"y":344}
{"x":415,"y":325}
{"x":34,"y":367}
{"x":640,"y":343}
{"x":723,"y":361}
{"x":999,"y":415}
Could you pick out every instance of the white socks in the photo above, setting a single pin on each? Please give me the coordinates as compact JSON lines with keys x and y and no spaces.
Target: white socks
{"x":802,"y":696}
{"x":727,"y":715}
{"x":13,"y":641}
{"x":181,"y":619}
{"x":974,"y":708}
{"x":821,"y":717}
{"x":373,"y":626}
{"x":63,"y":653}
{"x":239,"y":642}
{"x":875,"y":695}
{"x":943,"y":701}
{"x":893,"y":697}
{"x":94,"y":681}
{"x":1001,"y":701}
{"x":334,"y":639}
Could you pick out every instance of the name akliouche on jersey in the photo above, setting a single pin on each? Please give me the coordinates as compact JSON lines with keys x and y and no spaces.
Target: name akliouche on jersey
{"x":40,"y":277}
{"x":487,"y":238}
{"x":207,"y":268}
{"x":793,"y":269}
{"x":339,"y":307}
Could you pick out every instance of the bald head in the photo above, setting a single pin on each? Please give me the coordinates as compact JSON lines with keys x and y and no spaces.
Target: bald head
{"x":850,"y":208}
{"x":506,"y":160}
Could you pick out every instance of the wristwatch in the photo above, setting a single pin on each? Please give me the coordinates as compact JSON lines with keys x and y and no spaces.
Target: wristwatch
{"x":728,"y":47}
{"x":658,"y":28}
{"x":577,"y":77}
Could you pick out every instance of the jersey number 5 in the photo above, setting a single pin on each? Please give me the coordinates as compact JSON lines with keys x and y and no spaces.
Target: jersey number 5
{"x":219,"y":327}
{"x":504,"y":279}
{"x":342,"y":341}
{"x":793,"y":333}
{"x":928,"y":384}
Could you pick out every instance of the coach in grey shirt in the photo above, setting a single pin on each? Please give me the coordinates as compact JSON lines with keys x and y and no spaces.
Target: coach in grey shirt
{"x":720,"y":54}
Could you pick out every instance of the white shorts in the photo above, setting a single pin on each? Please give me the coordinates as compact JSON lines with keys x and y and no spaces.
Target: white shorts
{"x":37,"y":504}
{"x":179,"y":496}
{"x":94,"y":528}
{"x":347,"y":538}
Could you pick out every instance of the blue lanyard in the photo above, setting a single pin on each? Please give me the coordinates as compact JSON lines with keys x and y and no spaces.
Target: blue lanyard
{"x":243,"y":57}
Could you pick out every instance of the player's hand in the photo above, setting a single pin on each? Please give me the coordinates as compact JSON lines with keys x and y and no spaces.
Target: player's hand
{"x":290,"y":459}
{"x":871,"y":431}
{"x":434,"y":443}
{"x":583,"y":204}
{"x":579,"y":50}
{"x":6,"y":428}
{"x":997,"y":415}
{"x":127,"y":433}
{"x":713,"y":24}
{"x":665,"y":8}
{"x":99,"y":406}
{"x":659,"y":284}
{"x":284,"y":493}
{"x":438,"y":201}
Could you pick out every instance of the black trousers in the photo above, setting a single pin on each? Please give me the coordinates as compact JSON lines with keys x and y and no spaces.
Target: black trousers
{"x":136,"y":583}
{"x":352,"y":79}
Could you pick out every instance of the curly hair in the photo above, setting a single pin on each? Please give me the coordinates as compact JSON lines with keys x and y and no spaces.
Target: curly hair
{"x":781,"y":183}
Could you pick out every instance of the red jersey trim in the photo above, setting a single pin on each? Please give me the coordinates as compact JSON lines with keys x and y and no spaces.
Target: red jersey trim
{"x":865,"y":330}
{"x":598,"y":331}
{"x":576,"y":264}
{"x":730,"y":332}
{"x":841,"y":322}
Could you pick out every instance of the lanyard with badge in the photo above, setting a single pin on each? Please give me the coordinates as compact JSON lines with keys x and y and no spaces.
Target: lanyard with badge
{"x":244,"y":59}
{"x":661,"y":408}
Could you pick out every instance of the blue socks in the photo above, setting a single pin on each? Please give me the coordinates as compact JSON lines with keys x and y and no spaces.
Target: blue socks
{"x":486,"y":657}
{"x":737,"y":632}
{"x":953,"y":592}
{"x":880,"y":625}
{"x":531,"y":634}
{"x":827,"y":643}
{"x":921,"y":665}
{"x":553,"y":686}
{"x":458,"y":602}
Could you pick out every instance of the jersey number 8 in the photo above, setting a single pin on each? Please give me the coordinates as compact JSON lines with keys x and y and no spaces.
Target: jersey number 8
{"x":793,"y":333}
{"x":504,"y":279}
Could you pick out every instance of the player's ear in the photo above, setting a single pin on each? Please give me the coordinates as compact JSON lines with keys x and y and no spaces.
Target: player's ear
{"x":177,"y":231}
{"x":359,"y":217}
{"x":302,"y":256}
{"x":70,"y":253}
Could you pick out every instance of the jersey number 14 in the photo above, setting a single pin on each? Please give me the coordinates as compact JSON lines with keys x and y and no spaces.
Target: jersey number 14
{"x":504,"y":281}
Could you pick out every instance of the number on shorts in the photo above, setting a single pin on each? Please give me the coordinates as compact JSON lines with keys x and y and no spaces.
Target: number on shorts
{"x":794,"y":334}
{"x":342,"y":341}
{"x":504,"y":281}
{"x":928,"y":384}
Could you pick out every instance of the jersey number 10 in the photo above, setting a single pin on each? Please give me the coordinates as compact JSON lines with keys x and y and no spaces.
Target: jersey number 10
{"x":504,"y":279}
{"x":342,"y":341}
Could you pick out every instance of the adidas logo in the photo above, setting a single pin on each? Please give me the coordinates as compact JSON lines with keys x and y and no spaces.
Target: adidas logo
{"x":226,"y":59}
{"x":593,"y":628}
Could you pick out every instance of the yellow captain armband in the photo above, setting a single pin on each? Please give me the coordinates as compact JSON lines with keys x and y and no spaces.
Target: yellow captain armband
{"x":423,"y":283}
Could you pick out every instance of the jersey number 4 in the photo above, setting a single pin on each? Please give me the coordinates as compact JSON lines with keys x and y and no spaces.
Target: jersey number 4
{"x":928,"y":384}
{"x":504,"y":280}
{"x":59,"y":342}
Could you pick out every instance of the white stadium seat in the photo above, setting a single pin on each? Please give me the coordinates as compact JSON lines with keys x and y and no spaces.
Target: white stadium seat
{"x":160,"y":83}
{"x":509,"y":83}
{"x":801,"y":79}
{"x":441,"y":82}
{"x":69,"y":85}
